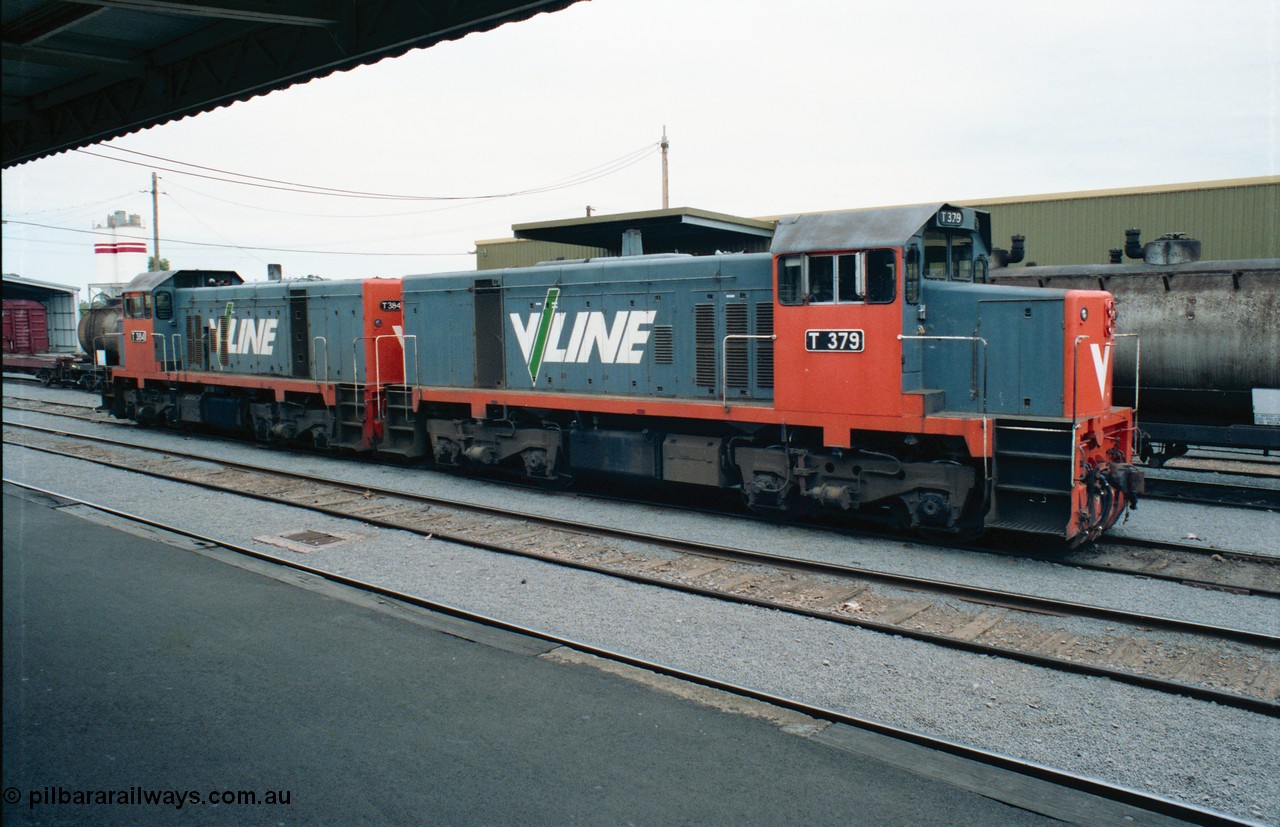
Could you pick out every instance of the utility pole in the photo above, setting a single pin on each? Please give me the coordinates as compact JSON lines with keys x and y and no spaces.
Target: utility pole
{"x":155,"y":221}
{"x":666,"y":201}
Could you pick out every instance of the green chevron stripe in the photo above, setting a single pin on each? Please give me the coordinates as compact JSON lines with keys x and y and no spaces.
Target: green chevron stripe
{"x":544,"y":328}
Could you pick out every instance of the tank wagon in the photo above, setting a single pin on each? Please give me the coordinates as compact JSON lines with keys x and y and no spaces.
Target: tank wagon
{"x":861,"y":365}
{"x":1197,"y":353}
{"x":98,"y":331}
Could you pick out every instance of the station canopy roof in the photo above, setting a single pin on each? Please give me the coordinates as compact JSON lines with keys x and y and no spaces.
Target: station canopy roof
{"x":680,"y":229}
{"x":83,"y":71}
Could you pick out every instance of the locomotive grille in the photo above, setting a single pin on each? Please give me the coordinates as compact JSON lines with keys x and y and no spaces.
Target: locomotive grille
{"x":224,"y":334}
{"x":663,"y":347}
{"x":195,"y":341}
{"x":704,"y":327}
{"x":737,"y":370}
{"x":764,"y":347}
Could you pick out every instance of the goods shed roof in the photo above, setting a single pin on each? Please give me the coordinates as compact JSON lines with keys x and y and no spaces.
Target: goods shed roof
{"x":16,"y":287}
{"x":681,"y":229}
{"x":75,"y":73}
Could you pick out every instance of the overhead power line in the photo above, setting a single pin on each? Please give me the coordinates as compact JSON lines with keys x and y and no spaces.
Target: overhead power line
{"x":244,"y":246}
{"x":582,"y":177}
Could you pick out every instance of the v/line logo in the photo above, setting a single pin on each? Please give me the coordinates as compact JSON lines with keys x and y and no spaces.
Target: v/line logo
{"x":246,"y":335}
{"x":541,"y":336}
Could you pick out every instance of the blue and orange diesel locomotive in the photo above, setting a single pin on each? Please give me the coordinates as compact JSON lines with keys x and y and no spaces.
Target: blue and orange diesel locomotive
{"x":863,"y":365}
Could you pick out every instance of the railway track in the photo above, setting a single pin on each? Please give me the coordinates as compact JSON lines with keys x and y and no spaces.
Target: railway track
{"x":1235,"y":667}
{"x":1245,"y":463}
{"x":1144,"y":805}
{"x":1263,"y":495}
{"x":1210,"y":492}
{"x":1240,"y":572}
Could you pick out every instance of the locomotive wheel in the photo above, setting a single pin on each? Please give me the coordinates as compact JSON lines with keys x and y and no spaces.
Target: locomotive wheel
{"x":967,"y":528}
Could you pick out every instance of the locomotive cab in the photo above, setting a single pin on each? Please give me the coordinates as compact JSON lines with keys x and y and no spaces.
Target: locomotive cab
{"x":889,"y":337}
{"x":150,"y":339}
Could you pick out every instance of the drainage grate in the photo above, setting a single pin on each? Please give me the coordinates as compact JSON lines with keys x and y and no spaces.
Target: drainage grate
{"x":311,"y":538}
{"x":305,"y":542}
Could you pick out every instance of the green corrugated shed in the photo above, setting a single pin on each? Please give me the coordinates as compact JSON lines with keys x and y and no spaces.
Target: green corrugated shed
{"x":1236,"y":219}
{"x":518,"y":252}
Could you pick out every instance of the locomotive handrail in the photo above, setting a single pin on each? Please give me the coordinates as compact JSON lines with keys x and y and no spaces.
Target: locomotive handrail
{"x":986,"y":474}
{"x":377,"y":363}
{"x":320,"y":377}
{"x":404,"y":366}
{"x":177,"y":363}
{"x":404,"y":352}
{"x":1075,"y":377}
{"x":1075,"y":383}
{"x":1075,"y":419}
{"x":724,"y":359}
{"x":1137,"y":365}
{"x":164,"y":353}
{"x":355,"y":368}
{"x":103,"y":337}
{"x":1137,"y":377}
{"x":355,"y":360}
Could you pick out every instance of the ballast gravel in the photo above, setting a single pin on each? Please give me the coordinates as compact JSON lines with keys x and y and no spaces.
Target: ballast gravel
{"x":1220,"y":758}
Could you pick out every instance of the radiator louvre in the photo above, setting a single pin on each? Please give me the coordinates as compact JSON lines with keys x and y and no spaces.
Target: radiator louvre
{"x":704,"y":321}
{"x":764,"y":347}
{"x":737,"y":369}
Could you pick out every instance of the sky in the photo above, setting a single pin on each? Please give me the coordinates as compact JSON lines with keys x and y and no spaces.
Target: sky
{"x":770,"y":109}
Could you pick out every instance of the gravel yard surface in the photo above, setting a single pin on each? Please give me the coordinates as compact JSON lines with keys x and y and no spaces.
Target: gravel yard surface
{"x":1216,"y":757}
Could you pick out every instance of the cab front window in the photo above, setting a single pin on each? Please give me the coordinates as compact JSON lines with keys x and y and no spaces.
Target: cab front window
{"x":948,"y":255}
{"x":137,"y":306}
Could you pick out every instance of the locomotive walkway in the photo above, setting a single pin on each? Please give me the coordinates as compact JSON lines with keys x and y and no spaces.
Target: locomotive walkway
{"x":137,"y":669}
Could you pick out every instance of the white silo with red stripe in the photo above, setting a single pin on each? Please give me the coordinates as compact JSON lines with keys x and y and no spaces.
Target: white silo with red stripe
{"x":120,"y":247}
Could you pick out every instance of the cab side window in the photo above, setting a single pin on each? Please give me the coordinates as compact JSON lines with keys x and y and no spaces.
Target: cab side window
{"x":164,"y":305}
{"x":911,"y":281}
{"x":881,"y":276}
{"x":791,"y":280}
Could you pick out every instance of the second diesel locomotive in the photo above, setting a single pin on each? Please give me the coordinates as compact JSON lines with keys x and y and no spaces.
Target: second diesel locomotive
{"x":861,"y":365}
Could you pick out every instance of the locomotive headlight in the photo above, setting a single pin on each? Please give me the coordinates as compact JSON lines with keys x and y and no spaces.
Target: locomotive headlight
{"x":1084,"y":314}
